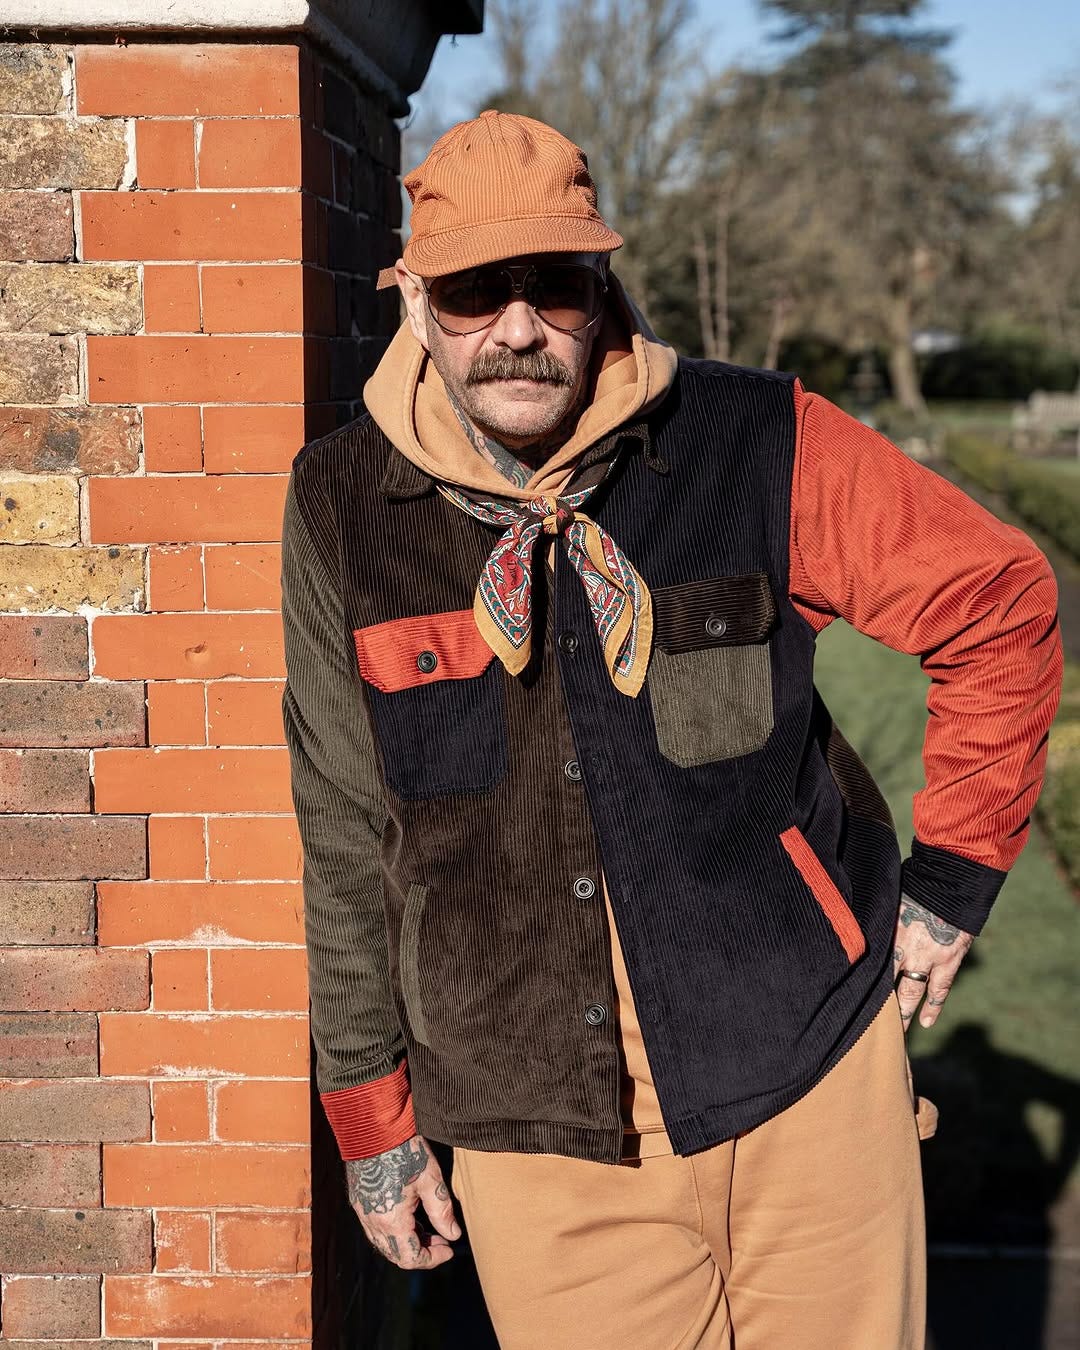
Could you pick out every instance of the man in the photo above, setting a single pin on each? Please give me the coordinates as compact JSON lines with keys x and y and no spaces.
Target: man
{"x":595,"y":891}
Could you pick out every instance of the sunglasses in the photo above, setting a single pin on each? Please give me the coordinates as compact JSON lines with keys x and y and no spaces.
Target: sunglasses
{"x":567,"y":296}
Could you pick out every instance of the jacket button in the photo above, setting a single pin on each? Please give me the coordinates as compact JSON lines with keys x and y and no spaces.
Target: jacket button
{"x":595,"y":1014}
{"x":426,"y":662}
{"x":568,"y":642}
{"x":572,"y":769}
{"x":584,"y":888}
{"x":715,"y":626}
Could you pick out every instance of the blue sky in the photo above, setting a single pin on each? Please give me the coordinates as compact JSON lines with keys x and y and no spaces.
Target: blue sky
{"x":1003,"y":51}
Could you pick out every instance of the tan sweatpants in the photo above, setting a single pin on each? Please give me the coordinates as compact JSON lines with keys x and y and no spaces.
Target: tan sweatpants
{"x":805,"y":1232}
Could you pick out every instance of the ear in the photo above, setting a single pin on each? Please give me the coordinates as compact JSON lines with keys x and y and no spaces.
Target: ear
{"x":412,"y":292}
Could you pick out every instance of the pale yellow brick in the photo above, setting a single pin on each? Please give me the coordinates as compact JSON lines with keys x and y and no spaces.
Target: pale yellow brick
{"x":70,"y":298}
{"x":37,"y":577}
{"x":39,"y":511}
{"x":61,"y":152}
{"x":31,"y":77}
{"x":38,"y":369}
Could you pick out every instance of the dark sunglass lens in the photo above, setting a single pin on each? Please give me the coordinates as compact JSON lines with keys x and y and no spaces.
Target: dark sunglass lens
{"x":566,"y":296}
{"x":469,"y":299}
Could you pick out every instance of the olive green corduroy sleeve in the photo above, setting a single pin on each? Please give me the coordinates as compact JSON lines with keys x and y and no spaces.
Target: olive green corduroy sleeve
{"x":340,"y":813}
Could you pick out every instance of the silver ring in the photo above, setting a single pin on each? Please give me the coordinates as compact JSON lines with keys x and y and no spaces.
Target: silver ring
{"x":919,"y":976}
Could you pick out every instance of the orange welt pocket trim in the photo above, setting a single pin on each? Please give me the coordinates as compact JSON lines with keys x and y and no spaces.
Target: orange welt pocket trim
{"x":405,"y":653}
{"x":824,"y":891}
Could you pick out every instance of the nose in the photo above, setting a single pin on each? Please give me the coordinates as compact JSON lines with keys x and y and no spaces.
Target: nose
{"x":518,"y":327}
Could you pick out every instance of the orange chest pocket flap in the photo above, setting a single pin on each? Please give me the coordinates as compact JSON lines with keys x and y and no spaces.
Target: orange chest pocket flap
{"x":406,"y":653}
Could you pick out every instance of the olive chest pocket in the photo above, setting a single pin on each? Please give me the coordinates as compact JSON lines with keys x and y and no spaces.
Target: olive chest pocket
{"x":710,"y":676}
{"x":438,"y":704}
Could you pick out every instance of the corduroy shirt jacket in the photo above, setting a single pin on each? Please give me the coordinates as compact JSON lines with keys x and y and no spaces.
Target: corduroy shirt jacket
{"x":458,"y":822}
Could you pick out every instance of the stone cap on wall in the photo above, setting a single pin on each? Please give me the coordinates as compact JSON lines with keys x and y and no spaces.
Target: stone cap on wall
{"x":388,"y":43}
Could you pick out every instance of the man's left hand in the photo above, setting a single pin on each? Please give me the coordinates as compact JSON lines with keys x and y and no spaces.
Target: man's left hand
{"x":925,"y":945}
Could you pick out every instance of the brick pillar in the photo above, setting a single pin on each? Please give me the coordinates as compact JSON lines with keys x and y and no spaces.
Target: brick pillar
{"x":188,"y":234}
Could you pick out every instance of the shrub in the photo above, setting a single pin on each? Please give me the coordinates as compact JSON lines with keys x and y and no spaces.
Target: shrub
{"x":998,"y":365}
{"x":1037,"y":490}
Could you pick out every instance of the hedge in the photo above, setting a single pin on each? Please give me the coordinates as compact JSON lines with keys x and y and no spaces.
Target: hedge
{"x":1038,"y":491}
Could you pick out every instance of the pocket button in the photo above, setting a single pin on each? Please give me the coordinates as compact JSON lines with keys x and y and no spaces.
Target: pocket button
{"x":426,"y":662}
{"x":715,"y":626}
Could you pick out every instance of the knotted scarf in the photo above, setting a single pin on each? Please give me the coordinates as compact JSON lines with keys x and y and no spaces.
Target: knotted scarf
{"x":618,"y":598}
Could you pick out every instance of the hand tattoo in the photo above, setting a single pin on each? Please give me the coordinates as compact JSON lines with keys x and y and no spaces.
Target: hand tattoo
{"x":912,"y":912}
{"x":377,"y":1185}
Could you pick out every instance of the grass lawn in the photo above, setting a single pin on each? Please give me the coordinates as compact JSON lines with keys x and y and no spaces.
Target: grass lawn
{"x":1003,"y":1064}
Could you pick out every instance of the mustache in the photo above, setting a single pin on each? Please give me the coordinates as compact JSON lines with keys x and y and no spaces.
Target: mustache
{"x":541,"y":366}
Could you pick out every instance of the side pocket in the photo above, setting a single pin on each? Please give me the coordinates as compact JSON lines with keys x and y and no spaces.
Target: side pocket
{"x":823,"y":889}
{"x":409,"y":961}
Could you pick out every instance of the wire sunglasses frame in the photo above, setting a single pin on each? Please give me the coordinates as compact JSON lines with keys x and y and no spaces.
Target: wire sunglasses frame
{"x":520,"y":275}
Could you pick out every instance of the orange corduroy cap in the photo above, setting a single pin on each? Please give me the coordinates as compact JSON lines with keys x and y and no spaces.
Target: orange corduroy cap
{"x":497,"y":187}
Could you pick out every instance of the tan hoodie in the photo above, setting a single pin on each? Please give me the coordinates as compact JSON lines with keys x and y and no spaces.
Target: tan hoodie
{"x":631,"y":371}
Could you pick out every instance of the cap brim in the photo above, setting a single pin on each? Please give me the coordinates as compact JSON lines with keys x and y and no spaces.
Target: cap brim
{"x":435,"y":255}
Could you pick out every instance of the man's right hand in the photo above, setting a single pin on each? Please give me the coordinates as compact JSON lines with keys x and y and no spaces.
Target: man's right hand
{"x":385,"y":1192}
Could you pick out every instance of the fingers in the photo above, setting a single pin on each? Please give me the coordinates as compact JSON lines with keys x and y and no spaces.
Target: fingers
{"x":937,"y":991}
{"x":438,"y":1202}
{"x":909,"y":994}
{"x":405,"y":1242}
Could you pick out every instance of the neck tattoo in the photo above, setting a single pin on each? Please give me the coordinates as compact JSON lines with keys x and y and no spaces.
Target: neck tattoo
{"x":487,"y":447}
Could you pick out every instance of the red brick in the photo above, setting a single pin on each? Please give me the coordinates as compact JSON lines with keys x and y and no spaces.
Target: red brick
{"x":188,"y":646}
{"x":53,"y":1175}
{"x":181,"y":1241}
{"x":181,"y":1109}
{"x":196,"y":1176}
{"x":38,"y":1306}
{"x":63,"y":713}
{"x":165,"y":153}
{"x":189,"y":781}
{"x":49,"y":913}
{"x":172,"y":439}
{"x":54,"y":440}
{"x":176,"y":715}
{"x":192,"y":227}
{"x":268,"y":298}
{"x":175,"y":1305}
{"x":186,"y":369}
{"x":274,"y":1111}
{"x":73,"y":847}
{"x":252,"y":153}
{"x":72,"y":979}
{"x":218,"y":913}
{"x":176,"y":576}
{"x":150,"y":79}
{"x":277,"y":1244}
{"x":73,"y":1241}
{"x":262,"y":848}
{"x":180,"y":981}
{"x":260,"y":979}
{"x":245,"y":712}
{"x":44,"y":1045}
{"x":45,"y":780}
{"x":252,"y":439}
{"x":178,"y":510}
{"x":177,"y":848}
{"x":163,"y":1044}
{"x":33,"y":648}
{"x":243,"y":576}
{"x":73,"y":1112}
{"x":171,"y":298}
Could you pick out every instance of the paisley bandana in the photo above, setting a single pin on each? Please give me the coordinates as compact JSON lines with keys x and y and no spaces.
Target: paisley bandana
{"x":618,"y":598}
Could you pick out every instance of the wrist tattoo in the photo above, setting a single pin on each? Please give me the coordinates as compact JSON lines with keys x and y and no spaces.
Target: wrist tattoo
{"x":377,"y":1185}
{"x":912,"y":912}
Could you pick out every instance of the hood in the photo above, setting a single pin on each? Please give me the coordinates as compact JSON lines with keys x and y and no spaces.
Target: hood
{"x":630,"y":372}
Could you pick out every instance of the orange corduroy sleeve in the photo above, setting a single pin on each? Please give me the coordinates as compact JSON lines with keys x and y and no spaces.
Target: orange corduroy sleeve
{"x":909,"y":559}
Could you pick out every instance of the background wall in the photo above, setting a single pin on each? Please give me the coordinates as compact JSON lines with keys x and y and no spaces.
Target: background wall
{"x":187,"y":233}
